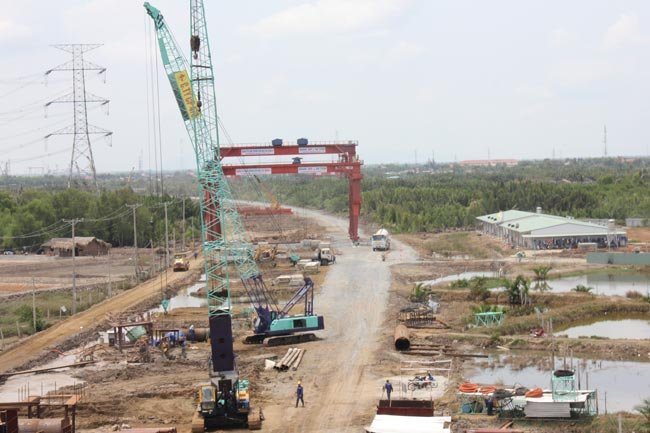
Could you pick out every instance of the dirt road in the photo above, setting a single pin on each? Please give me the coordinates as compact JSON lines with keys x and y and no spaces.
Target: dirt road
{"x":40,"y":344}
{"x":341,"y":385}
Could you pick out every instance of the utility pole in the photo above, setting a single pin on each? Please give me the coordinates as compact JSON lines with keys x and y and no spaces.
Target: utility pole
{"x":110,"y":286}
{"x":192,"y":229}
{"x":82,"y":153}
{"x":134,"y":207}
{"x":183,"y":235}
{"x":34,"y":303}
{"x":74,"y":222}
{"x":166,"y":239}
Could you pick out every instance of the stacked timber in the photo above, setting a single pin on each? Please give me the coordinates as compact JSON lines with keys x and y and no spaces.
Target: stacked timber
{"x":291,"y":360}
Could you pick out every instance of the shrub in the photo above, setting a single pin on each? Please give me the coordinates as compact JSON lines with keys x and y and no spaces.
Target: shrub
{"x":463,"y":283}
{"x":541,"y":272}
{"x":633,"y":294}
{"x":478,"y":289}
{"x":582,"y":289}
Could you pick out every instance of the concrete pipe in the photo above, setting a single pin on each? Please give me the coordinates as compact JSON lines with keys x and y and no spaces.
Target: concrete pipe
{"x":45,"y":425}
{"x":402,"y":341}
{"x":200,"y":334}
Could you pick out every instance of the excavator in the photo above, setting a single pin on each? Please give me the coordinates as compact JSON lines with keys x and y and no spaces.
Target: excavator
{"x":274,"y":323}
{"x":225,"y":401}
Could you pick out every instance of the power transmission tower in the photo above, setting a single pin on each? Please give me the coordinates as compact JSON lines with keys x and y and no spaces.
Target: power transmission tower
{"x":82,"y":153}
{"x":605,"y":140}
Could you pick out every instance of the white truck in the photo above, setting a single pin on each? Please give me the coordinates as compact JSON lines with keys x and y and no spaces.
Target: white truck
{"x":380,"y":240}
{"x":324,"y":254}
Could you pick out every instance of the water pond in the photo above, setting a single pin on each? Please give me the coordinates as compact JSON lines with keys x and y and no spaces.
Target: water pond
{"x":603,"y":283}
{"x":621,"y":385}
{"x":628,"y":328}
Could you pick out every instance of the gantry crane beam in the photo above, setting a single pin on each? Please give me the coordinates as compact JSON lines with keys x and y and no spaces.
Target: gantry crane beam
{"x":329,"y":148}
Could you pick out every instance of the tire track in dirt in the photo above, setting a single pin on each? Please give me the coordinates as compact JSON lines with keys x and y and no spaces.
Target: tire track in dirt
{"x":341,"y":388}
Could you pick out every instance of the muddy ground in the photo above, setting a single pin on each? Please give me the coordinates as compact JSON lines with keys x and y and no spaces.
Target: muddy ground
{"x":360,"y":297}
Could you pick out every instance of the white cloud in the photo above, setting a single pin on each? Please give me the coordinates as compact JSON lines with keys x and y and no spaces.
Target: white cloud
{"x":10,"y":29}
{"x":562,"y":37}
{"x":580,"y":72}
{"x":403,"y":51}
{"x":329,"y":16}
{"x":534,"y":92}
{"x":624,"y":31}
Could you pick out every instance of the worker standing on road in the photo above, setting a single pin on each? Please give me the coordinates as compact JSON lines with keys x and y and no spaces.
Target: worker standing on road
{"x":388,"y":387}
{"x":299,"y":395}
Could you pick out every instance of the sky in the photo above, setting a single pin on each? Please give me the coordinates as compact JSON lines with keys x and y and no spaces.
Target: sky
{"x":409,"y":79}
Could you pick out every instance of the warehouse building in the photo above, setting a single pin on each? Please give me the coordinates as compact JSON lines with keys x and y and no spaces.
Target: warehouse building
{"x":536,"y":230}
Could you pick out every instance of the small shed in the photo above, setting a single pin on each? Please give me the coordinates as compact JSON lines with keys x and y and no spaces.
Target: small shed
{"x":84,"y":246}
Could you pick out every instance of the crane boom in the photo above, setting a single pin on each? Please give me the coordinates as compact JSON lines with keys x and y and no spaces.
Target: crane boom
{"x":225,"y":402}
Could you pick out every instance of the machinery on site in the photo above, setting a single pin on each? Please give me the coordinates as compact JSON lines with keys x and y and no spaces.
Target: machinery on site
{"x":275,"y":324}
{"x":324,"y":254}
{"x":380,"y":240}
{"x":225,"y":401}
{"x":181,"y":262}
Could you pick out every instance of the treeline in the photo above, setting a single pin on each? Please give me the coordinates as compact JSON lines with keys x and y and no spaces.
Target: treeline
{"x":451,"y":196}
{"x":30,"y":217}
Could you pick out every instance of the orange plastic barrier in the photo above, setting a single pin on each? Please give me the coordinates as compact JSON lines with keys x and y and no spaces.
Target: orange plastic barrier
{"x":535,"y":393}
{"x":487,"y":389}
{"x":468,"y":387}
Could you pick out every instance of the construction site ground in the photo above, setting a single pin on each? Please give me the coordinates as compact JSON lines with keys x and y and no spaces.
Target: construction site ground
{"x":342,"y":373}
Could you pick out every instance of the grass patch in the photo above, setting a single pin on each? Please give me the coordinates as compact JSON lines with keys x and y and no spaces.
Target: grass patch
{"x":461,"y":244}
{"x":16,"y":314}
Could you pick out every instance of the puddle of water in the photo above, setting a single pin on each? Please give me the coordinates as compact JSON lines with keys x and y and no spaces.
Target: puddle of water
{"x":624,"y":328}
{"x":39,"y":384}
{"x":624,"y":384}
{"x":184,"y":299}
{"x":603,"y":283}
{"x":462,"y":275}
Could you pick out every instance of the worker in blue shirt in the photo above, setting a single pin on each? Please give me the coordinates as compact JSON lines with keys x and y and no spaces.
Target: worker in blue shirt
{"x":299,"y":395}
{"x":388,"y":387}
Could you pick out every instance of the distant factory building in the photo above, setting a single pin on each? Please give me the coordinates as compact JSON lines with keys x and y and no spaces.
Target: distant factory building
{"x":535,"y":230}
{"x":636,"y":222}
{"x":488,"y":162}
{"x":85,"y":246}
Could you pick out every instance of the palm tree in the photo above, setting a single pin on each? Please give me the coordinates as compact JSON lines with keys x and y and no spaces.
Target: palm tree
{"x":518,"y":291}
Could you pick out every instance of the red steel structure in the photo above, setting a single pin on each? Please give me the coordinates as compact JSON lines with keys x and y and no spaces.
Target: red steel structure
{"x":348,"y":165}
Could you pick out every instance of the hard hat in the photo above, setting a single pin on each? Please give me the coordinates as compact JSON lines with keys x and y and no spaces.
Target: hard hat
{"x":298,"y":382}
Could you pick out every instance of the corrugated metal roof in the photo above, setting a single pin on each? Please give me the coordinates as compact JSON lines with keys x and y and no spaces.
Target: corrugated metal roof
{"x":531,"y":223}
{"x":504,"y":216}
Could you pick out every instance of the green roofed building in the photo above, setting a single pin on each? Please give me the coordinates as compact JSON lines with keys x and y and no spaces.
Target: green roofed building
{"x":536,"y":230}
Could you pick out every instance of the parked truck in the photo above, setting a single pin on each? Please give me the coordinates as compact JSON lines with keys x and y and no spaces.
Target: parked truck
{"x":324,"y":254}
{"x":380,"y":240}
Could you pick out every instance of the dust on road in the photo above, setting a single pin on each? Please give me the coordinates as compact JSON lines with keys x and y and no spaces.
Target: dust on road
{"x":341,"y":386}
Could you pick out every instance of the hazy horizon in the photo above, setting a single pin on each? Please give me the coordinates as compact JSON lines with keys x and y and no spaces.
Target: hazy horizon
{"x":450,"y":80}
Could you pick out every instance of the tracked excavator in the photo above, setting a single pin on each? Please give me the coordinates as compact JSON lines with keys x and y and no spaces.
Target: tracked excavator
{"x":225,"y":401}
